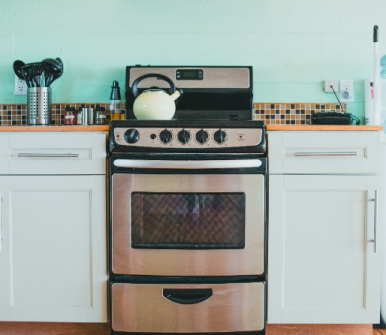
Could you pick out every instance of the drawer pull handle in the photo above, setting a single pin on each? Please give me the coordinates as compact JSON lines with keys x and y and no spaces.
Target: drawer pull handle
{"x":322,"y":154}
{"x":37,"y":155}
{"x":187,"y":296}
{"x":375,"y":240}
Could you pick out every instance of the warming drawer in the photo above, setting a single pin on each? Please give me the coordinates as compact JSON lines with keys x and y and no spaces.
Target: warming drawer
{"x":187,"y":308}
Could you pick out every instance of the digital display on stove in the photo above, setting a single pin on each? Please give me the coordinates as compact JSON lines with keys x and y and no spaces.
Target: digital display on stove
{"x":189,"y":74}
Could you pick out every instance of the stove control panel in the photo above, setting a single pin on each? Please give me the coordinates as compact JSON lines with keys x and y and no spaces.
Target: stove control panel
{"x":188,"y":137}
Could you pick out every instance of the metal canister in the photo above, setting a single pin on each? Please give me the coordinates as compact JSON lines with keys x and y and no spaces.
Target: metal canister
{"x":39,"y":105}
{"x":90,"y":115}
{"x":84,"y":116}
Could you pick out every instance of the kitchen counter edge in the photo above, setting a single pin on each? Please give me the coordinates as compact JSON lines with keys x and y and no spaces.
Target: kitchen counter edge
{"x":53,"y":128}
{"x":306,"y":127}
{"x":269,"y":127}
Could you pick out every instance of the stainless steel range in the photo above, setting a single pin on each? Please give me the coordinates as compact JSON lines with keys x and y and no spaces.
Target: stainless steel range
{"x":187,"y":226}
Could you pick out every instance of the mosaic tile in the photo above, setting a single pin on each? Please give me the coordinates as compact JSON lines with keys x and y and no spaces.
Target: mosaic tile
{"x":270,"y":112}
{"x":12,"y":114}
{"x":292,"y":113}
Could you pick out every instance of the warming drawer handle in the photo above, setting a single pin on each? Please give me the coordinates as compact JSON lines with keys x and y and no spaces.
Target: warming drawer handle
{"x":318,"y":154}
{"x":40,"y":155}
{"x":187,"y":296}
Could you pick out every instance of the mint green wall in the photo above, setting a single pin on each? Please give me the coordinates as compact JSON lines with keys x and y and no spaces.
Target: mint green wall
{"x":293,"y":45}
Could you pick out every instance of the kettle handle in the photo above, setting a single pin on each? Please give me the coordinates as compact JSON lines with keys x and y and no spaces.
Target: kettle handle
{"x":134,"y":88}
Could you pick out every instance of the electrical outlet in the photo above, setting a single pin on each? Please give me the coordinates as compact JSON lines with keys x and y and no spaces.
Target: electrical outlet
{"x":20,"y":86}
{"x":346,"y":90}
{"x":328,"y":84}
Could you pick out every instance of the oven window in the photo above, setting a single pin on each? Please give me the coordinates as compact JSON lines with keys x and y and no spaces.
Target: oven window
{"x":188,"y":220}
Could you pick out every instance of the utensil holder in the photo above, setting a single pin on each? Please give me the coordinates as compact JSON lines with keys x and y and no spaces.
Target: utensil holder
{"x":39,"y":105}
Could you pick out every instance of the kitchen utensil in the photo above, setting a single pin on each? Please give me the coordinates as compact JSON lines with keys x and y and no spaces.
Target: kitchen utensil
{"x":17,"y":65}
{"x":33,"y":72}
{"x":61,"y":63}
{"x":53,"y":70}
{"x":155,"y":103}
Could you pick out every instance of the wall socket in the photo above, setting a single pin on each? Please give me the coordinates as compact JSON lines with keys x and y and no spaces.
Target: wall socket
{"x":346,"y":90}
{"x":20,"y":86}
{"x":328,"y":84}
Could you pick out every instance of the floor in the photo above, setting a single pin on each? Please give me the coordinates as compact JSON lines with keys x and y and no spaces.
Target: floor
{"x":45,"y":328}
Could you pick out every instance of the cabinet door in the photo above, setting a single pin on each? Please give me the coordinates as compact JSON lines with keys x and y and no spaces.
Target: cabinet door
{"x":5,"y":311}
{"x":57,"y":257}
{"x":323,"y":266}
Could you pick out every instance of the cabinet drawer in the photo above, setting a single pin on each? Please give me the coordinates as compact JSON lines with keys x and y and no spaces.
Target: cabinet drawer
{"x":327,"y":152}
{"x":167,"y":308}
{"x":57,"y":153}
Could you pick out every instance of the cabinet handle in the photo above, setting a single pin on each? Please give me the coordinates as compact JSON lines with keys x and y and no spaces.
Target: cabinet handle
{"x":37,"y":155}
{"x":347,"y":153}
{"x":375,"y":220}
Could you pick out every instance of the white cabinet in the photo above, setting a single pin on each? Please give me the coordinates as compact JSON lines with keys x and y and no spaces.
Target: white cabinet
{"x":323,"y":247}
{"x":53,"y":244}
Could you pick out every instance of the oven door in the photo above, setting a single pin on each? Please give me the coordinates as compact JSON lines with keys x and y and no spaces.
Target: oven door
{"x":188,"y":224}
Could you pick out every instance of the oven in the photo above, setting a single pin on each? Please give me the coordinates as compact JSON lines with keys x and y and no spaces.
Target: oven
{"x":163,"y":222}
{"x":187,"y":226}
{"x":187,"y":229}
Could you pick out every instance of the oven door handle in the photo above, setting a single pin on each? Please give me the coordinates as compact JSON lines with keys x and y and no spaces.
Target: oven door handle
{"x":187,"y":296}
{"x":188,"y":164}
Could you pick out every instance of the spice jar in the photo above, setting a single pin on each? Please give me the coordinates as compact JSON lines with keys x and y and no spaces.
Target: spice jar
{"x":100,"y":115}
{"x":79,"y":116}
{"x":69,"y":118}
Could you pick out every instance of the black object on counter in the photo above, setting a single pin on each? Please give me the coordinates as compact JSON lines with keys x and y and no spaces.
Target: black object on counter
{"x":334,"y":118}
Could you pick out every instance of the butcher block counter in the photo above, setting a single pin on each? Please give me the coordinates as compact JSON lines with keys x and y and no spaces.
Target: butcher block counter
{"x":53,"y":128}
{"x":270,"y":127}
{"x":312,"y":127}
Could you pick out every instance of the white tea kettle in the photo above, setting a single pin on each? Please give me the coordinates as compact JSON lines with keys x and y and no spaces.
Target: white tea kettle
{"x":155,"y":103}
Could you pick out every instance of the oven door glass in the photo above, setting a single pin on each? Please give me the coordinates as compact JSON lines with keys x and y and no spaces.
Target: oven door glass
{"x":188,"y":225}
{"x":188,"y":220}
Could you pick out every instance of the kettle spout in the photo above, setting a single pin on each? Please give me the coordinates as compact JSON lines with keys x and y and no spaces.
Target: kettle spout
{"x":177,"y":93}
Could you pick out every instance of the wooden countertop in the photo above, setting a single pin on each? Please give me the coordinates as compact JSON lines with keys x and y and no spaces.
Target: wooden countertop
{"x":53,"y":128}
{"x":307,"y":127}
{"x":269,"y":127}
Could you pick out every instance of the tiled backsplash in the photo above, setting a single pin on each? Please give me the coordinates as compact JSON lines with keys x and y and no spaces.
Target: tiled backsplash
{"x":292,"y":113}
{"x":16,"y":115}
{"x":271,"y":113}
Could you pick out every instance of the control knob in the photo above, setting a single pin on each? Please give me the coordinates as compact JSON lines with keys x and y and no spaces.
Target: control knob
{"x":202,"y":136}
{"x":131,"y":136}
{"x":220,"y":136}
{"x":183,"y":136}
{"x":165,"y":136}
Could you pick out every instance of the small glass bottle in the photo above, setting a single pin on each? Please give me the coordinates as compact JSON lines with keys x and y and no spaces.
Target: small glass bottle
{"x":115,"y":101}
{"x":100,"y":115}
{"x":79,"y":116}
{"x":69,"y":115}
